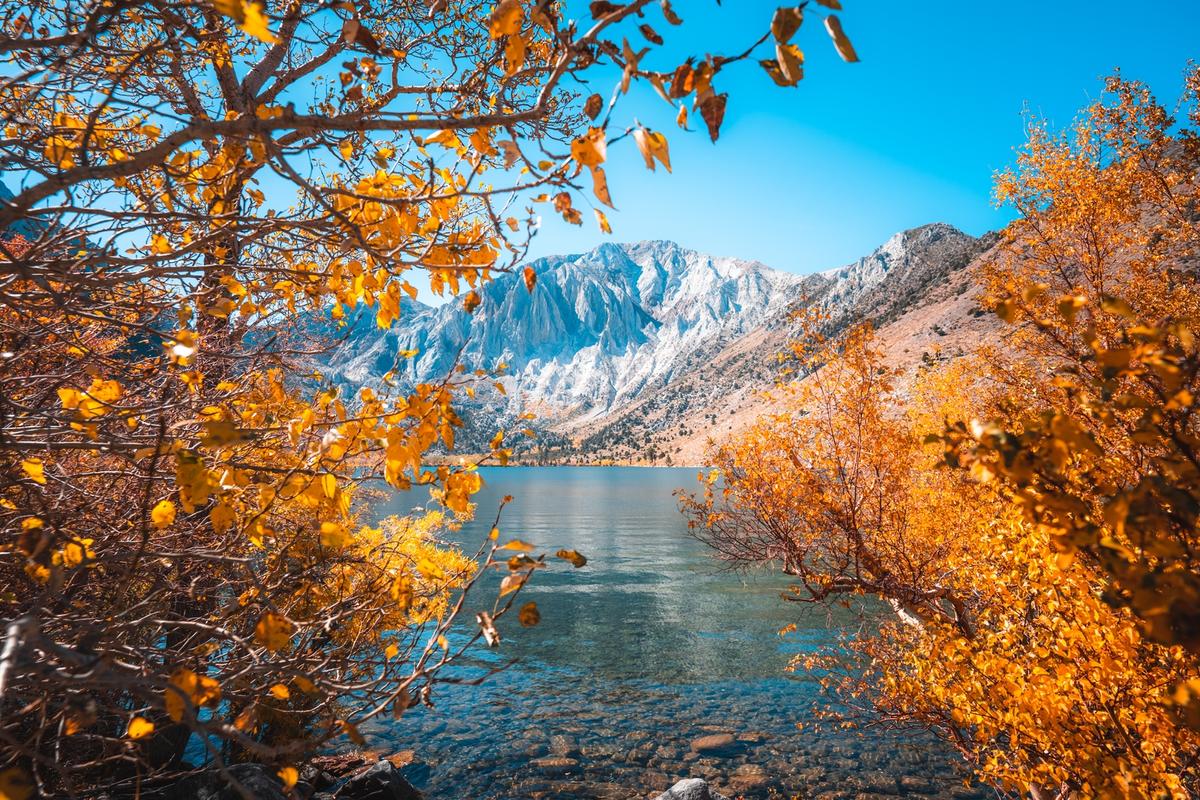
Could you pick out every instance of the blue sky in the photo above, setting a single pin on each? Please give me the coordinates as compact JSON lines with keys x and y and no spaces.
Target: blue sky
{"x":813,"y":177}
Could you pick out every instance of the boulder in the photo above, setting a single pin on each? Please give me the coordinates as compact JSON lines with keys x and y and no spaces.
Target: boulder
{"x":380,"y":781}
{"x":690,"y":789}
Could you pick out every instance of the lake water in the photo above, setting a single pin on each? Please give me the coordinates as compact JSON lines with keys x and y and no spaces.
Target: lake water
{"x":641,"y":652}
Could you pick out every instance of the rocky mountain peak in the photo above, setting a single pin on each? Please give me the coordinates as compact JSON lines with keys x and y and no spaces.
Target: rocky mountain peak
{"x":603,"y":329}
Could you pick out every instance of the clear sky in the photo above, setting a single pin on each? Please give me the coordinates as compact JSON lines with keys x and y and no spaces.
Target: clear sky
{"x":813,"y":177}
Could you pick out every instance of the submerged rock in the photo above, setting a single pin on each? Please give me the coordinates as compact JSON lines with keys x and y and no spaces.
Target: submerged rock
{"x":691,"y":789}
{"x":715,"y":744}
{"x":554,"y":765}
{"x":563,"y":746}
{"x":381,"y":781}
{"x":748,"y":778}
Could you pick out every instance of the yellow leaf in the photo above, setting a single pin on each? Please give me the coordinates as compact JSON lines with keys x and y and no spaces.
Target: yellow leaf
{"x":334,"y":535}
{"x":159,"y":244}
{"x":254,"y":22}
{"x":600,"y":187}
{"x":34,"y":469}
{"x":840,"y":41}
{"x":289,"y":776}
{"x":511,"y":583}
{"x":402,"y":591}
{"x":786,"y":22}
{"x":790,"y":60}
{"x":602,"y":220}
{"x":280,"y":692}
{"x":653,"y":145}
{"x":163,"y":514}
{"x":506,"y":19}
{"x":516,"y":544}
{"x":273,"y":631}
{"x":15,"y":785}
{"x":574,"y":557}
{"x":139,"y":728}
{"x":529,"y":615}
{"x":201,"y":690}
{"x":222,"y":517}
{"x":591,"y":149}
{"x":514,"y":54}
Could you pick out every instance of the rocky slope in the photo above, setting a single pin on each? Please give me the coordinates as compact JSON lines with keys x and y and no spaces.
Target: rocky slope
{"x":642,"y":353}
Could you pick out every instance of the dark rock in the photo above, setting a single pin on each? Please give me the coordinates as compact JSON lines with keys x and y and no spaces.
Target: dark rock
{"x":381,"y":781}
{"x":261,"y":782}
{"x":319,"y":779}
{"x":690,"y":789}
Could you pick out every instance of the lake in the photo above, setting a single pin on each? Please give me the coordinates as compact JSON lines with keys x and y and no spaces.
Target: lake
{"x":644,"y":650}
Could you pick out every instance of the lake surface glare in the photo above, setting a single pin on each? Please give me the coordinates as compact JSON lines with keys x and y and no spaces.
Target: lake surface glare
{"x":646,"y":649}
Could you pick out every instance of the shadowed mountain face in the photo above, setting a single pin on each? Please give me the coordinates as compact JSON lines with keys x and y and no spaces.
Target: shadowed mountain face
{"x":620,"y":343}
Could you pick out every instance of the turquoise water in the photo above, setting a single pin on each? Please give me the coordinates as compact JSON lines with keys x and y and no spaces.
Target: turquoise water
{"x":639,"y":653}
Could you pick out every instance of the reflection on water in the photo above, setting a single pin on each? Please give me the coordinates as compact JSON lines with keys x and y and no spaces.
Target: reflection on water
{"x":646,"y":649}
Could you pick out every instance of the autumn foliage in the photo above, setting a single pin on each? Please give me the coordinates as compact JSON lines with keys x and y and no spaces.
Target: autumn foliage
{"x":206,"y":195}
{"x":1029,"y":511}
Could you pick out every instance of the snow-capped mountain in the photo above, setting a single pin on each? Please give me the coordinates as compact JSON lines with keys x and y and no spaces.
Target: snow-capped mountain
{"x":625,"y":351}
{"x":596,"y":330}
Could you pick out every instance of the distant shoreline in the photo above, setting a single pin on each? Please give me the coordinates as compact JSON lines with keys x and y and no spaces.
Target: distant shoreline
{"x":468,"y":458}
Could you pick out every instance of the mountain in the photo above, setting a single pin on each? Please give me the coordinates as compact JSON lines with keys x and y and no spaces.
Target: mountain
{"x":597,"y":330}
{"x":639,"y":352}
{"x":918,"y":290}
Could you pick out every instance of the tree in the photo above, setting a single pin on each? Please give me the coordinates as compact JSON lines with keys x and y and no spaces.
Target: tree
{"x":209,"y":194}
{"x":1045,"y":584}
{"x":1099,"y":283}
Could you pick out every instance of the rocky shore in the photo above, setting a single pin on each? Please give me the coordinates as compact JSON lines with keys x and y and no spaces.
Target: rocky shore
{"x":717,"y":768}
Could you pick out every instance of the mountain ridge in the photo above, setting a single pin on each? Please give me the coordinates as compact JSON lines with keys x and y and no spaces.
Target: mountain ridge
{"x":623,"y":352}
